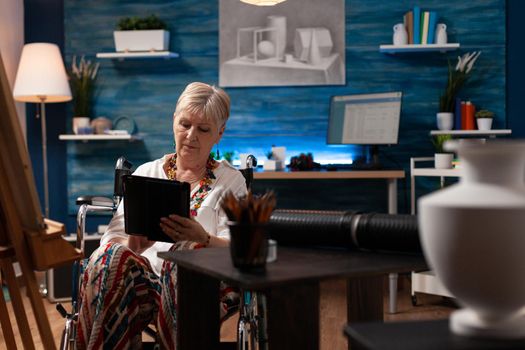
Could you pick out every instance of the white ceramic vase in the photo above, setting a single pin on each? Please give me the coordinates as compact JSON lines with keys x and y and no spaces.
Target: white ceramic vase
{"x":445,"y":120}
{"x":79,"y":124}
{"x":472,"y":236}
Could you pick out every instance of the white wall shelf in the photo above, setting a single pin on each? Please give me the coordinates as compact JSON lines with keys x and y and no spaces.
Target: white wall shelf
{"x":494,"y":132}
{"x":418,"y":48}
{"x":97,"y":137}
{"x":130,"y":55}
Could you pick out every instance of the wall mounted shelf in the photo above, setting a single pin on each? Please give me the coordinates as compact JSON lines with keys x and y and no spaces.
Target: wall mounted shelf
{"x":466,"y":133}
{"x":131,"y":55}
{"x":96,"y":137}
{"x":418,"y":48}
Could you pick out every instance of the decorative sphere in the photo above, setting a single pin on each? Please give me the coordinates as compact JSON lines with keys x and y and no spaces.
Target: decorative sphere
{"x":266,"y":48}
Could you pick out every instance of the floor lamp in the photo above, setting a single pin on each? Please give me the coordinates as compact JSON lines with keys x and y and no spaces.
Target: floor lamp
{"x":42,"y":78}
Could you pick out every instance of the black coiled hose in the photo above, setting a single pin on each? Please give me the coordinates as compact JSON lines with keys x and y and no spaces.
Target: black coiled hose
{"x":345,"y":229}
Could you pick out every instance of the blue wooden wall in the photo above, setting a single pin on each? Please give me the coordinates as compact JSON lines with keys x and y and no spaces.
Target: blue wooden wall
{"x":295,"y":117}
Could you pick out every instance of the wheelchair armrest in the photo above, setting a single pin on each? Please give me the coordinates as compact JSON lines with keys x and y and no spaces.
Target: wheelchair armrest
{"x":95,"y":200}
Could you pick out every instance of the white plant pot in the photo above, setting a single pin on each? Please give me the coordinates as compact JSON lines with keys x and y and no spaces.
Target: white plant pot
{"x":141,"y":40}
{"x":445,"y":120}
{"x":472,"y":237}
{"x":443,"y":160}
{"x":484,"y":123}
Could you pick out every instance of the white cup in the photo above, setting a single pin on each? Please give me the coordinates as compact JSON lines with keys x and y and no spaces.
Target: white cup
{"x":80,"y":122}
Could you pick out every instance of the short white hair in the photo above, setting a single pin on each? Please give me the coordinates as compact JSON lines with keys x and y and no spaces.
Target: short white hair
{"x":206,"y":100}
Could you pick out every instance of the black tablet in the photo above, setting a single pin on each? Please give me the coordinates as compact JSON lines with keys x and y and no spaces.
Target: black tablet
{"x":148,"y":199}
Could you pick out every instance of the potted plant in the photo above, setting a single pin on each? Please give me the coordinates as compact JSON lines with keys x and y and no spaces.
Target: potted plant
{"x":442,"y":158}
{"x":456,"y":79}
{"x":82,"y":78}
{"x":141,"y":34}
{"x":484,"y":119}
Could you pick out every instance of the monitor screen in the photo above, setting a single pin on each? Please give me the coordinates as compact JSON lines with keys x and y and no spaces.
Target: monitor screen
{"x":364,"y":119}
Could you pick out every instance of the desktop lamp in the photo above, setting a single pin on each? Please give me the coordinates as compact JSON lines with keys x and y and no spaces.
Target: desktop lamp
{"x":41,"y":78}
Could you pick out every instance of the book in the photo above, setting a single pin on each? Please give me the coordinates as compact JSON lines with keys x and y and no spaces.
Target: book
{"x":417,"y":25}
{"x":457,"y":115}
{"x":432,"y":21}
{"x":408,"y":20}
{"x":147,"y":199}
{"x":463,"y":115}
{"x":470,"y":121}
{"x":424,"y":27}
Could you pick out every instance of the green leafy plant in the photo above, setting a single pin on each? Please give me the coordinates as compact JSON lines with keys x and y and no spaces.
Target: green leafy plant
{"x":439,"y":141}
{"x":228,"y":155}
{"x":484,"y":113}
{"x":456,"y":79}
{"x":141,"y":23}
{"x":82,"y":77}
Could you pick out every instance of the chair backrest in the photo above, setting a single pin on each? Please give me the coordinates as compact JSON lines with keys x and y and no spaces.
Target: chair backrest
{"x":122,"y":168}
{"x":247,"y":172}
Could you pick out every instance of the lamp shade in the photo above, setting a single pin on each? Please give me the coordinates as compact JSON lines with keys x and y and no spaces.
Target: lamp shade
{"x":41,"y":75}
{"x":263,"y":2}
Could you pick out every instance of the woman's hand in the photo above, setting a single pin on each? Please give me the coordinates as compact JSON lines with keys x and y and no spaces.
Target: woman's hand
{"x":180,"y":228}
{"x":139,"y":243}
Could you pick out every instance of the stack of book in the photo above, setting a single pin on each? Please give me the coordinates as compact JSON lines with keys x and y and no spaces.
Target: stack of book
{"x":464,"y":116}
{"x":420,"y":26}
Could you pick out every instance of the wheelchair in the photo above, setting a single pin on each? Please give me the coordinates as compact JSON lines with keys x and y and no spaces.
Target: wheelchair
{"x":89,"y":204}
{"x":96,"y":204}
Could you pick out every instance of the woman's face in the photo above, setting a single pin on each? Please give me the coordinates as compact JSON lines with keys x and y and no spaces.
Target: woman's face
{"x":195,"y":137}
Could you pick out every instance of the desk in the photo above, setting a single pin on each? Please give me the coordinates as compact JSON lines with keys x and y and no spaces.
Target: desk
{"x":291,"y":285}
{"x":416,"y":335}
{"x":391,"y":176}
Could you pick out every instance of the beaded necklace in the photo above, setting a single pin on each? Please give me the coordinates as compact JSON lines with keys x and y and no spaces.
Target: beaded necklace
{"x":204,"y":184}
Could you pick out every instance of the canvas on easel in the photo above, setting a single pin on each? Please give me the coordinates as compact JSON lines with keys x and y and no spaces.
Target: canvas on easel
{"x":25,"y":236}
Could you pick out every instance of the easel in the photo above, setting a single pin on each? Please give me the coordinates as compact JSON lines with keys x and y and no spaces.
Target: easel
{"x":25,"y":236}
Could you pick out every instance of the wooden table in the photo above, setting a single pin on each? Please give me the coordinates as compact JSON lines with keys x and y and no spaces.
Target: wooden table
{"x":416,"y":335}
{"x":391,"y":176}
{"x":291,"y":285}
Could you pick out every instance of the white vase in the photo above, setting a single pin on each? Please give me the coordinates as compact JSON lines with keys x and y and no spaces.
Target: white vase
{"x":445,"y":120}
{"x":80,"y":124}
{"x":472,"y":236}
{"x":443,"y":160}
{"x":400,"y":36}
{"x":484,"y":123}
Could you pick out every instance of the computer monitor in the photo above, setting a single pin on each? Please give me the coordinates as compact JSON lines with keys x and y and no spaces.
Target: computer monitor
{"x":365,"y":119}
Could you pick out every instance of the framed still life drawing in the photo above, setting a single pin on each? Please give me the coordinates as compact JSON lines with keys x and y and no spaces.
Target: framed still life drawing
{"x":296,"y":42}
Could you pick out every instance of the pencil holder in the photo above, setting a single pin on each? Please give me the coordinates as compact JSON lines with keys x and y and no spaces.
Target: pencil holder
{"x":248,"y":245}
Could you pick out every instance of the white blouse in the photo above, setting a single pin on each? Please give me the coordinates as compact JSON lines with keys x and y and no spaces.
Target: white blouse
{"x":209,"y":215}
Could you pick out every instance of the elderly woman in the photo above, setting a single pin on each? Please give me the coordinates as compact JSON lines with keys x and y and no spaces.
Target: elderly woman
{"x":125,"y":285}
